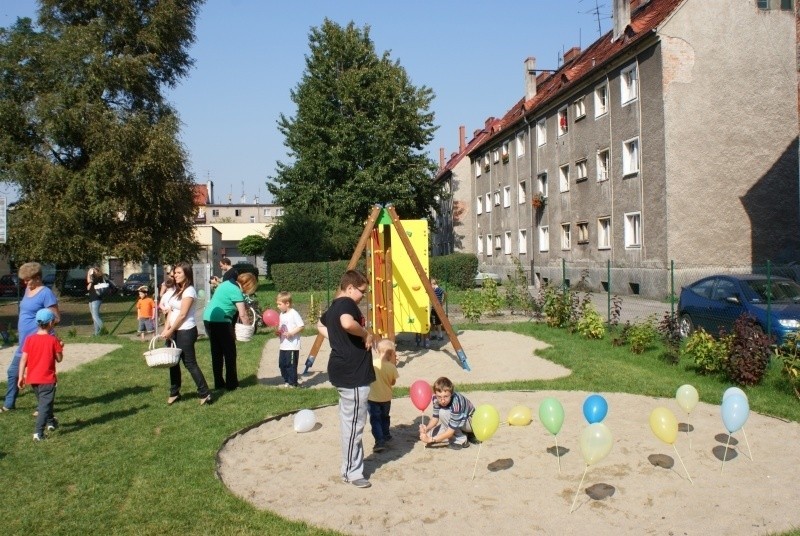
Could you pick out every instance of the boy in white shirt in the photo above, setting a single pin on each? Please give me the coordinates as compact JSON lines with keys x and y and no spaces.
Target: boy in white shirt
{"x":290,"y":325}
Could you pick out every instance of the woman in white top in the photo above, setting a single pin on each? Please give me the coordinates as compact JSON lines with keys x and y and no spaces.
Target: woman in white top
{"x":181,"y":328}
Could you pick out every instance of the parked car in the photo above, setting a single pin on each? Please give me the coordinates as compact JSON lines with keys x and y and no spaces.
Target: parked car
{"x":74,"y":287}
{"x":480,"y":276}
{"x":10,"y":285}
{"x":134,"y":281}
{"x":715,"y":302}
{"x":245,"y":268}
{"x":49,"y":280}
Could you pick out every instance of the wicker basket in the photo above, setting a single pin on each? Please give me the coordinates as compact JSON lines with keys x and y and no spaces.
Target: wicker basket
{"x":165,"y":357}
{"x":244,"y":332}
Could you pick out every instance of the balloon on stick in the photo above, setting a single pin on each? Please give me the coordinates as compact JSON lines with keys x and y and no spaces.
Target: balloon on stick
{"x":551,"y":414}
{"x":270,"y":317}
{"x":687,"y":397}
{"x":421,"y":395}
{"x":519,"y":416}
{"x":735,"y":409}
{"x":595,"y":408}
{"x":485,"y":421}
{"x":665,"y":427}
{"x":596,"y":442}
{"x":733,"y":391}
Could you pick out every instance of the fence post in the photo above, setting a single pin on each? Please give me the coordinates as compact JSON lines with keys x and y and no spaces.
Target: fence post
{"x":608,"y":291}
{"x":564,"y":274}
{"x":672,"y":288}
{"x":769,"y":298}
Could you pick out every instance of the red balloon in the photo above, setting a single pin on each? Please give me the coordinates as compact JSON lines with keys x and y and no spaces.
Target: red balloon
{"x":271,"y":317}
{"x":421,"y":394}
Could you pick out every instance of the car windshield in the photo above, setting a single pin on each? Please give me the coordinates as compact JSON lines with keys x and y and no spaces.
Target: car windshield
{"x":138,"y":277}
{"x":782,"y":291}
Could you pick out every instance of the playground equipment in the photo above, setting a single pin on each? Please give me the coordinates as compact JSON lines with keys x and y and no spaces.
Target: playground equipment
{"x":400,"y":289}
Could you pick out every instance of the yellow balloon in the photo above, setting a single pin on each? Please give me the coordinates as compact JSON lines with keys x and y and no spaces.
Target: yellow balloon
{"x":687,"y":397}
{"x":519,"y":416}
{"x":596,"y":442}
{"x":485,"y":421}
{"x":664,"y":425}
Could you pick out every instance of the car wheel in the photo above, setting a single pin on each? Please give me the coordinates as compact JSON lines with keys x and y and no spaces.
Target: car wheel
{"x":686,"y":326}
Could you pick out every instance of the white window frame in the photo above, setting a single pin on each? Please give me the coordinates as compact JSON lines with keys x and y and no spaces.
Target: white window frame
{"x":496,"y":156}
{"x":566,"y":236}
{"x":267,"y":212}
{"x":583,"y":232}
{"x":504,"y":151}
{"x":480,"y":244}
{"x":506,"y":196}
{"x":604,"y":232}
{"x":544,"y":238}
{"x":633,"y":230}
{"x":478,"y":168}
{"x":579,"y":108}
{"x":486,"y":162}
{"x":237,"y":212}
{"x":541,"y":132}
{"x":479,"y":205}
{"x":563,"y":121}
{"x":603,"y":164}
{"x":497,"y":198}
{"x":522,"y":242}
{"x":488,"y":245}
{"x":488,"y":205}
{"x":541,"y":183}
{"x":507,"y":243}
{"x":601,"y":100}
{"x":581,"y":170}
{"x":520,"y":145}
{"x":629,"y":84}
{"x":522,"y":192}
{"x":214,"y":212}
{"x":252,"y":219}
{"x":563,"y":178}
{"x":498,"y":242}
{"x":630,"y":156}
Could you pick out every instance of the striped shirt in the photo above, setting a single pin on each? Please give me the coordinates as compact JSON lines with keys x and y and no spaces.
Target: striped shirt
{"x":460,"y":408}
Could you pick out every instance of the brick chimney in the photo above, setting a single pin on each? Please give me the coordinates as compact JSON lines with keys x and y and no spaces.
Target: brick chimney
{"x":462,"y":142}
{"x":530,"y":77}
{"x":621,"y":16}
{"x":441,"y":157}
{"x":571,"y":54}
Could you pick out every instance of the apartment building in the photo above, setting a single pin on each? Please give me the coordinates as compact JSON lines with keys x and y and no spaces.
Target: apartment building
{"x":671,"y":138}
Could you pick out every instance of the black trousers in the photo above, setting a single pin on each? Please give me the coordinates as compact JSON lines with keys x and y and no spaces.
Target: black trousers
{"x":185,"y":339}
{"x":222,"y":337}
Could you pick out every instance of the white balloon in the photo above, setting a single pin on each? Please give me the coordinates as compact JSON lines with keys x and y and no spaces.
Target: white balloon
{"x":733,"y":391}
{"x":304,"y":421}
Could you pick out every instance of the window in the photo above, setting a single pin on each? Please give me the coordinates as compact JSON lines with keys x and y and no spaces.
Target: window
{"x":604,"y":233}
{"x":565,"y":236}
{"x":215,"y":212}
{"x":505,"y":152}
{"x":489,"y":245}
{"x":602,"y":165}
{"x":580,"y":170}
{"x":497,"y":198}
{"x":252,"y":219}
{"x":763,"y":4}
{"x":495,"y":156}
{"x":278,"y":212}
{"x":522,"y":192}
{"x":488,"y":203}
{"x":267,"y":212}
{"x":541,"y":132}
{"x":563,"y":122}
{"x":522,"y":247}
{"x":237,"y":212}
{"x":478,"y":168}
{"x":630,"y":157}
{"x":601,"y":100}
{"x":520,"y":144}
{"x":486,"y":162}
{"x":480,"y":244}
{"x":507,"y":196}
{"x":542,"y":180}
{"x":579,"y":107}
{"x":633,"y":230}
{"x":787,"y":5}
{"x":479,"y":205}
{"x":544,"y":238}
{"x":498,"y":242}
{"x":507,"y":243}
{"x":627,"y":81}
{"x":563,"y":178}
{"x":583,"y":232}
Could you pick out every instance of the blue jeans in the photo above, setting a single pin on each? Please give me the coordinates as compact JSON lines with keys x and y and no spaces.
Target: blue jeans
{"x":13,"y":375}
{"x":94,"y":308}
{"x":287,"y":362}
{"x":379,"y":420}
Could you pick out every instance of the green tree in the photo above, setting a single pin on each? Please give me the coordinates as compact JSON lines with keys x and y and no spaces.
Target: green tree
{"x":359,"y":134}
{"x":88,"y":139}
{"x":253,"y":245}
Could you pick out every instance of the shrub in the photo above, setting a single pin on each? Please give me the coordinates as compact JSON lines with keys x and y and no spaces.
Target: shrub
{"x":456,"y":270}
{"x":669,"y":328}
{"x":749,"y":352}
{"x":590,"y":324}
{"x":492,"y":302}
{"x":517,"y":295}
{"x":314,"y":312}
{"x":300,"y":276}
{"x":708,"y":354}
{"x":789,"y":353}
{"x":642,"y":335}
{"x":557,"y":306}
{"x":471,"y":305}
{"x":616,"y":310}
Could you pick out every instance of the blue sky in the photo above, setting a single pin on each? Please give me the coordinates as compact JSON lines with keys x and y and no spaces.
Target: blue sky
{"x":249,"y":54}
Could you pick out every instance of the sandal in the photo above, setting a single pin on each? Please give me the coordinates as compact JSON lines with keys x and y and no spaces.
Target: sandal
{"x":205,"y":401}
{"x":171,"y":400}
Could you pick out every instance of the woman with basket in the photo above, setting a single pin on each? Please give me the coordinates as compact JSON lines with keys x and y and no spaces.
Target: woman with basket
{"x":219,"y":318}
{"x":182,"y":329}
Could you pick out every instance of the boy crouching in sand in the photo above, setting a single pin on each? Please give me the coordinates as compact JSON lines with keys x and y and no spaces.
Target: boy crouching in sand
{"x":452,"y":417}
{"x":380,"y":393}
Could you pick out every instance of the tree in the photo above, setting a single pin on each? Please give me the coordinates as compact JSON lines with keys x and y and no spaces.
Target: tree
{"x":88,"y":139}
{"x":359,"y":134}
{"x":253,"y":245}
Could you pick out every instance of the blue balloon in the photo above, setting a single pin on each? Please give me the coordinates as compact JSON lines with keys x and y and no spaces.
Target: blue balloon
{"x":735,"y":411}
{"x":595,"y":408}
{"x":733,"y":391}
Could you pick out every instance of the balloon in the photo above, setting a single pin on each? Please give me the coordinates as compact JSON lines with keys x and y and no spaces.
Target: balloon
{"x":687,"y":397}
{"x":595,"y":408}
{"x":201,"y":294}
{"x":519,"y":416}
{"x":551,"y":413}
{"x":421,"y":394}
{"x":304,"y":421}
{"x":596,"y":442}
{"x":733,"y":391}
{"x":664,"y":425}
{"x":485,"y":421}
{"x":735,"y":411}
{"x":270,"y":317}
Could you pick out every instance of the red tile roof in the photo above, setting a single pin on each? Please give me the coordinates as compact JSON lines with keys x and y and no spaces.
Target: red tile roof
{"x":200,"y":194}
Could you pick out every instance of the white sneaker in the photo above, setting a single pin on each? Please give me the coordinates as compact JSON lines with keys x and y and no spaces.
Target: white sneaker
{"x":37,"y":437}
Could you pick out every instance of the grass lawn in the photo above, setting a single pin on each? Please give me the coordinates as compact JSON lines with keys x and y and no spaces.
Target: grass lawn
{"x":124,"y":462}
